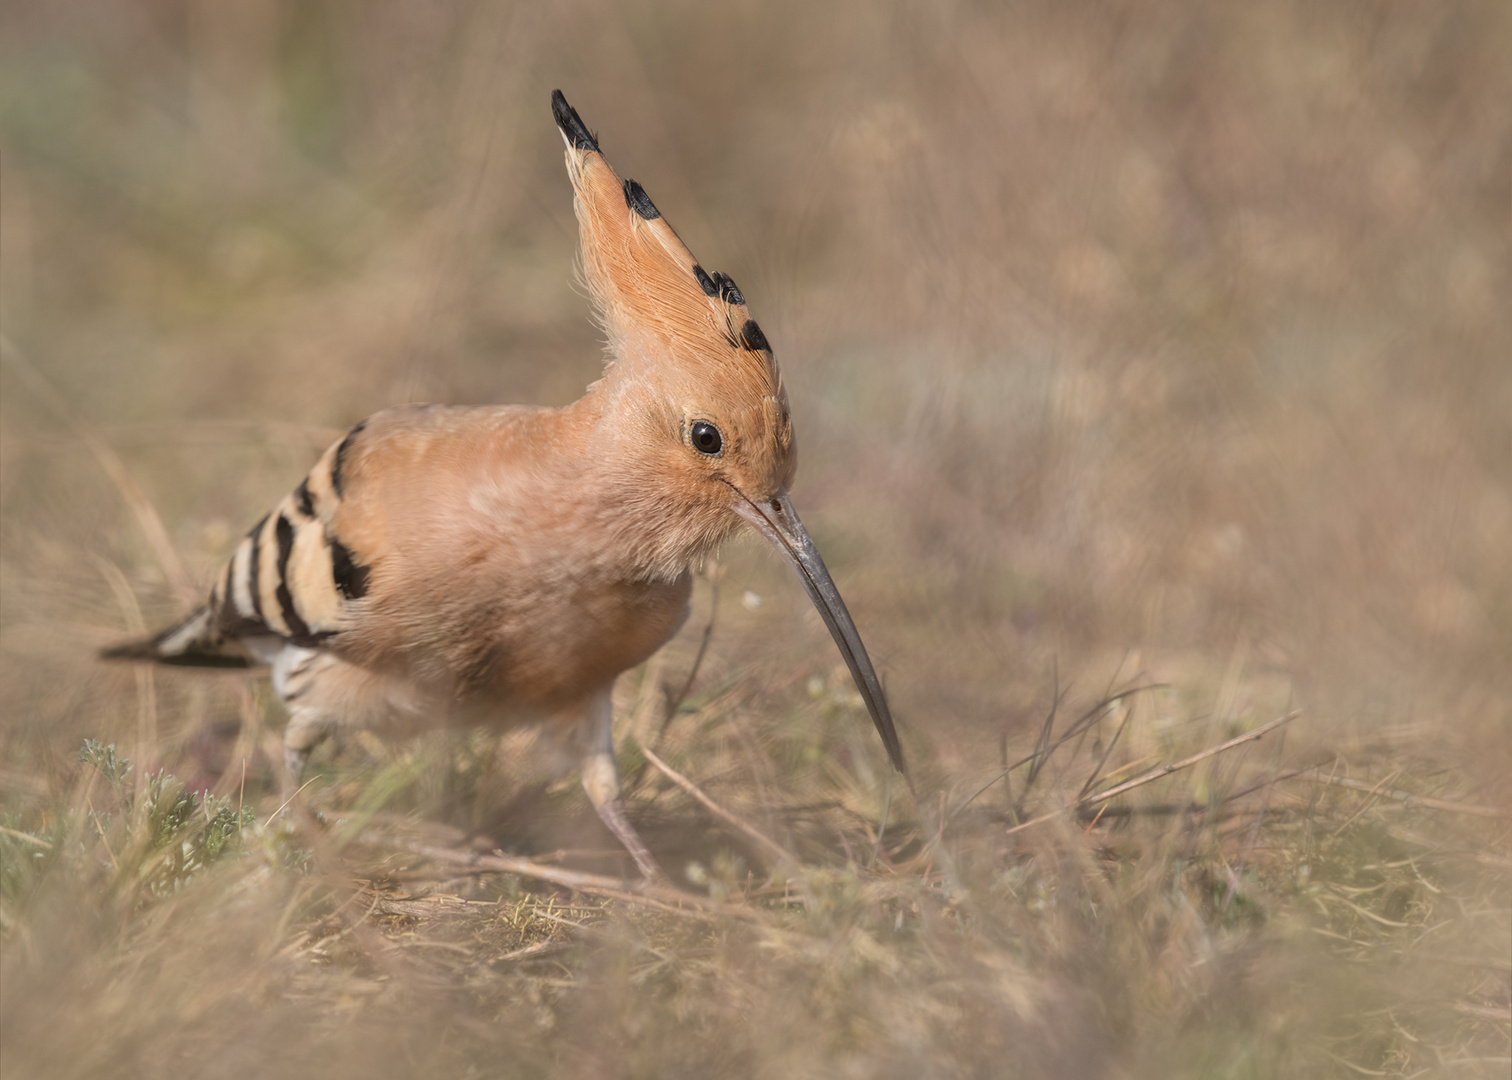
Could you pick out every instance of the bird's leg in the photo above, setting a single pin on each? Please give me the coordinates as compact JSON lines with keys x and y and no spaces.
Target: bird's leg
{"x":294,"y":668}
{"x":294,"y":762}
{"x":306,"y":730}
{"x":601,"y":782}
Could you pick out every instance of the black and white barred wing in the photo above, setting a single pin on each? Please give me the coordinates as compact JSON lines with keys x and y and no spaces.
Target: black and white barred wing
{"x":292,"y":577}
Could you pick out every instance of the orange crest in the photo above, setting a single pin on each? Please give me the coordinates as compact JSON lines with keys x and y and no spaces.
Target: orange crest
{"x":658,"y":306}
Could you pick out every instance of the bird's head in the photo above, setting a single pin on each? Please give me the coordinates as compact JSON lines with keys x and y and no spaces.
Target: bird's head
{"x":693,"y":380}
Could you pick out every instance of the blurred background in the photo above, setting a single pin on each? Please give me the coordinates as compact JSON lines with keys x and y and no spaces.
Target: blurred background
{"x":1167,"y":340}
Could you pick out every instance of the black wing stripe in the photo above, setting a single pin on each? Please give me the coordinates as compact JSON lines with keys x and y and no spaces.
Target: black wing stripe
{"x":299,"y":630}
{"x":222,"y":597}
{"x":350,"y":576}
{"x":254,"y":570}
{"x":341,"y":452}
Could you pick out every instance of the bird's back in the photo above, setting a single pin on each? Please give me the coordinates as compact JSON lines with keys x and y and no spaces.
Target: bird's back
{"x":498,"y":564}
{"x":457,"y":549}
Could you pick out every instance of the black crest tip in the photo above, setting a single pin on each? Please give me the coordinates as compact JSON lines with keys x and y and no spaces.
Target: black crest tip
{"x":637,"y":199}
{"x":752,"y":338}
{"x":572,"y":124}
{"x":728,"y":292}
{"x":705,"y":282}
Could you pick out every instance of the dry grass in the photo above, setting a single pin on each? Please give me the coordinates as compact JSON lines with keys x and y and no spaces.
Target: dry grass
{"x":1150,"y":367}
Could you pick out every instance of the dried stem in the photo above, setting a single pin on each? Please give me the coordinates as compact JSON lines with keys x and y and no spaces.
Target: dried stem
{"x":661,"y":897}
{"x":781,"y":853}
{"x":1071,"y":733}
{"x":1159,"y":773}
{"x":1407,"y":798}
{"x":674,"y":703}
{"x":147,"y":516}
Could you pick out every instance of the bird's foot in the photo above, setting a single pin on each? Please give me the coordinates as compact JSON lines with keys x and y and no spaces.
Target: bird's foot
{"x":612,"y":813}
{"x":295,"y":761}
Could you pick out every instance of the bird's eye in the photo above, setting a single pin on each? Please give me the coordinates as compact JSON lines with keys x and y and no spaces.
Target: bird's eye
{"x":706,"y":438}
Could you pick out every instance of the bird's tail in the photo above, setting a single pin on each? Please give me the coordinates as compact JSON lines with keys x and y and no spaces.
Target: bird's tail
{"x":195,"y":642}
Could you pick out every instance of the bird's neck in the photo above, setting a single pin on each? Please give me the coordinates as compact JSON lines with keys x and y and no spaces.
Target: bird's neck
{"x":656,"y":526}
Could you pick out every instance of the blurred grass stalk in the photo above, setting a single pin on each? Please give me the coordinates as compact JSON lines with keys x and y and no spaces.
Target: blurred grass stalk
{"x":1142,"y":344}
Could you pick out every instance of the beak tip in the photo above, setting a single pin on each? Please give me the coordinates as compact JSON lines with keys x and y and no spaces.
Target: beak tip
{"x":779,"y":523}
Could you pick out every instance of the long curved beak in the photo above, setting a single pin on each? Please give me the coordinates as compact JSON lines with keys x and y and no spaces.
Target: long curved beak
{"x":776,"y":519}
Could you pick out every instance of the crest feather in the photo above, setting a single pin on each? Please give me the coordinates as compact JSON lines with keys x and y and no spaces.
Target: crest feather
{"x":656,"y":302}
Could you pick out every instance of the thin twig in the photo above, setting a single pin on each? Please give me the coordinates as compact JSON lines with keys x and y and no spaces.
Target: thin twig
{"x":284,"y":805}
{"x":1254,"y":830}
{"x":1482,"y":1012}
{"x":661,"y":897}
{"x":1128,"y":714}
{"x":1042,"y":747}
{"x":675,"y":703}
{"x":1407,"y":798}
{"x":1357,"y":908}
{"x":1070,"y":734}
{"x":533,"y":952}
{"x":1271,"y":781}
{"x":1094,"y":718}
{"x":882,"y":823}
{"x":1220,"y":810}
{"x":1159,"y":773}
{"x":1186,"y":763}
{"x":17,"y":834}
{"x":147,"y":724}
{"x":1362,"y":1070}
{"x":1367,"y":802}
{"x":783,"y":854}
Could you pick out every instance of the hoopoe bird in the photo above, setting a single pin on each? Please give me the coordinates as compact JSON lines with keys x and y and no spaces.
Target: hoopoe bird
{"x":504,"y":564}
